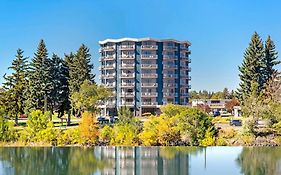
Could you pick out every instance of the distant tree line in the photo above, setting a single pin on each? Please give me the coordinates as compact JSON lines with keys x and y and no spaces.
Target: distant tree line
{"x":46,"y":83}
{"x":204,"y":94}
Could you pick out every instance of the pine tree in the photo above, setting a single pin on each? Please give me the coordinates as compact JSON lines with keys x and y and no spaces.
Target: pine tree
{"x":15,"y":86}
{"x":270,"y":60}
{"x":59,"y":89}
{"x":251,"y":68}
{"x":39,"y":76}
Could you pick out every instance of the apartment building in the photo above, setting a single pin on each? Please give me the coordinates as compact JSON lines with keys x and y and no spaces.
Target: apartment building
{"x":144,"y":74}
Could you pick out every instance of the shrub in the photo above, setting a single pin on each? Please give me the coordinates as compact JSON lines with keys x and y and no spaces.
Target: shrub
{"x":48,"y":135}
{"x":69,"y":137}
{"x":88,"y":129}
{"x":125,"y":134}
{"x":247,"y":139}
{"x":221,"y":141}
{"x":6,"y":128}
{"x":106,"y":134}
{"x":227,"y":133}
{"x":209,"y":139}
{"x":37,"y":121}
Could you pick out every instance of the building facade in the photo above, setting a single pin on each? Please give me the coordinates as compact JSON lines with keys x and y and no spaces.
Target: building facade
{"x":144,"y":74}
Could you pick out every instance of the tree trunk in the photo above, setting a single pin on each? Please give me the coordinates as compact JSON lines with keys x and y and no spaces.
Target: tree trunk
{"x":68,"y":118}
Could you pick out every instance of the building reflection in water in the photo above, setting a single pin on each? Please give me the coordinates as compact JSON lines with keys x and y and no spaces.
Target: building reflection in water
{"x":145,"y":160}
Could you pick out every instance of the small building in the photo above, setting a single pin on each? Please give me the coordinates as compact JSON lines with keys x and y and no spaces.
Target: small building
{"x":237,"y":111}
{"x":213,"y":104}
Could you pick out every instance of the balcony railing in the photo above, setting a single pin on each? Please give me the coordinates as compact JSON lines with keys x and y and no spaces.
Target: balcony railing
{"x":149,"y":103}
{"x":127,"y":57}
{"x":127,"y":94}
{"x":149,"y":84}
{"x":169,"y":47}
{"x":184,"y":94}
{"x":149,"y":75}
{"x":127,"y":66}
{"x":107,"y":48}
{"x":127,"y":47}
{"x":131,"y":75}
{"x":149,"y":93}
{"x":127,"y":84}
{"x":170,"y":57}
{"x":109,"y":85}
{"x":107,"y":58}
{"x":108,"y":66}
{"x":170,"y":94}
{"x":125,"y":103}
{"x":170,"y":85}
{"x":149,"y":47}
{"x":110,"y":103}
{"x":108,"y":76}
{"x":165,"y":75}
{"x":151,"y":66}
{"x":170,"y":66}
{"x":144,"y":56}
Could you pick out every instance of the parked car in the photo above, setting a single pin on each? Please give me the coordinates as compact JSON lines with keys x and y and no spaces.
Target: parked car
{"x":102,"y":120}
{"x":235,"y":123}
{"x":217,"y":113}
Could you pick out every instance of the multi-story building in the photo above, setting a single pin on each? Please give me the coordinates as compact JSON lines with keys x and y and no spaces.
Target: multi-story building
{"x":144,"y":74}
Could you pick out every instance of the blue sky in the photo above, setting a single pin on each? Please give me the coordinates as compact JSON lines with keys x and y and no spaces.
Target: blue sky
{"x":219,"y":30}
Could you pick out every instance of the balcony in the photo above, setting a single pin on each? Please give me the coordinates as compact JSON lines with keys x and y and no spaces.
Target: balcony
{"x":170,"y":57}
{"x":127,"y":47}
{"x":183,"y":60}
{"x":170,"y":66}
{"x":149,"y":94}
{"x":170,"y":47}
{"x":184,"y":94}
{"x":170,"y":85}
{"x":107,"y":76}
{"x":149,"y":66}
{"x":107,"y":48}
{"x":127,"y":84}
{"x":149,"y":84}
{"x":127,"y":94}
{"x":170,"y":94}
{"x":110,"y":103}
{"x":149,"y":103}
{"x":109,"y":85}
{"x":108,"y":66}
{"x":129,"y":75}
{"x":165,"y":75}
{"x":126,"y":103}
{"x":127,"y":57}
{"x":149,"y":57}
{"x":149,"y":75}
{"x":107,"y":58}
{"x":149,"y":47}
{"x":127,"y":66}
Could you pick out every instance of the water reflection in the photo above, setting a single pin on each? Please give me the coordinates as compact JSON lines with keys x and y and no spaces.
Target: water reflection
{"x":140,"y":160}
{"x":260,"y":160}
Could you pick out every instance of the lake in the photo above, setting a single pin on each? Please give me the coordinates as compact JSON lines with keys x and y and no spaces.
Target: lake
{"x":140,"y":160}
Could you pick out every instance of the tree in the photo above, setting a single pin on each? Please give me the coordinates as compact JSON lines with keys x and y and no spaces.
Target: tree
{"x":230,"y":104}
{"x":39,"y":84}
{"x":88,"y":129}
{"x":15,"y":86}
{"x":270,"y":60}
{"x":59,"y":88}
{"x":88,"y":97}
{"x":251,"y":68}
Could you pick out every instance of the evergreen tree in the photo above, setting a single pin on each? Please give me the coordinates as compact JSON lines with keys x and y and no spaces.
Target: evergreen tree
{"x":59,"y":89}
{"x":270,"y":60}
{"x":251,"y":68}
{"x":15,"y":86}
{"x":39,"y":84}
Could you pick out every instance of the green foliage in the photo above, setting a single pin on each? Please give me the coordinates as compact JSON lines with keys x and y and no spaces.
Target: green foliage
{"x":251,"y":68}
{"x":15,"y":85}
{"x":37,"y":121}
{"x":88,"y":96}
{"x":39,"y":76}
{"x":209,"y":139}
{"x":48,"y":135}
{"x":125,"y":134}
{"x":69,"y":137}
{"x":106,"y":134}
{"x":125,"y":114}
{"x":6,"y":128}
{"x":178,"y":125}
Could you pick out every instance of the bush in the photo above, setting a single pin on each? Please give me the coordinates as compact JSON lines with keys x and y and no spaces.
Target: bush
{"x":209,"y":139}
{"x":106,"y":134}
{"x":88,"y":129}
{"x":227,"y":133}
{"x":6,"y":128}
{"x":125,"y":134}
{"x":247,"y":139}
{"x":221,"y":141}
{"x":69,"y":137}
{"x":37,"y":121}
{"x":48,"y":135}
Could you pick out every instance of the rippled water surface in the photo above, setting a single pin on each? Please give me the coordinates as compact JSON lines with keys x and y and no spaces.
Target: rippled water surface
{"x":141,"y":160}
